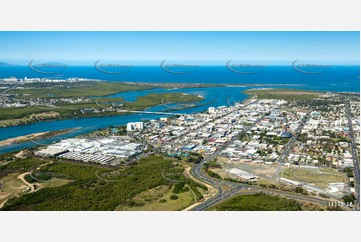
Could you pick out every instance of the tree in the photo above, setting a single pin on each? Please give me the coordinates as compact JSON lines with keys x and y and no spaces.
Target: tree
{"x":349,"y":198}
{"x":173,"y":197}
{"x":300,"y":190}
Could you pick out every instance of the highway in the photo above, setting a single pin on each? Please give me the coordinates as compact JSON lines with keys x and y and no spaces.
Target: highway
{"x":356,"y":165}
{"x":236,"y":188}
{"x":197,"y":172}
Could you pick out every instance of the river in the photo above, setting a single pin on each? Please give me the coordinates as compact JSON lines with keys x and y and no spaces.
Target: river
{"x":213,"y":96}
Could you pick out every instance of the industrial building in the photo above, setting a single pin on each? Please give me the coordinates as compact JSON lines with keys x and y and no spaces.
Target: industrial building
{"x":241,"y":174}
{"x":101,"y":150}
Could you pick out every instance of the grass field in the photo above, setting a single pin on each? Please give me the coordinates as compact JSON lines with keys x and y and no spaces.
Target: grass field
{"x":11,"y":186}
{"x":319,"y":177}
{"x":53,"y":182}
{"x":158,"y":199}
{"x":283,"y":94}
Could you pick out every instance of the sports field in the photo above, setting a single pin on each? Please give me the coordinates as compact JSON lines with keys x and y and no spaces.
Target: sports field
{"x":319,"y":177}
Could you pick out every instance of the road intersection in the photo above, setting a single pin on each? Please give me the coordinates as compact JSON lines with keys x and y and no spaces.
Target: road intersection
{"x":236,"y":188}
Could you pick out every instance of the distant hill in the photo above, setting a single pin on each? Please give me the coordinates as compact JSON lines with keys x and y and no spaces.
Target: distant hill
{"x":4,"y":64}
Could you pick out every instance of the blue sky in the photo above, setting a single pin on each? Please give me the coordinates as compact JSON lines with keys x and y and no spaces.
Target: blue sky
{"x":189,"y":47}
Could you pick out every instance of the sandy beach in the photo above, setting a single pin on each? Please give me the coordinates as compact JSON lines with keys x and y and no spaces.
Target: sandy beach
{"x":21,"y":138}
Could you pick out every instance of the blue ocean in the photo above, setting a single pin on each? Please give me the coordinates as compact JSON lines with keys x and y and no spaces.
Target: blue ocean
{"x":335,"y":78}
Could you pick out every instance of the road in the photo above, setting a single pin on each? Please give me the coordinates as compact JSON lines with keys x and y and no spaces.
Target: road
{"x":31,"y":186}
{"x":356,"y":165}
{"x":197,"y":172}
{"x":238,"y":188}
{"x":281,"y":159}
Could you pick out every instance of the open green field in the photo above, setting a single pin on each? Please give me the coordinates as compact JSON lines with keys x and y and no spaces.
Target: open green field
{"x":283,"y":94}
{"x":11,"y":186}
{"x":98,"y":188}
{"x":53,"y":182}
{"x":319,"y":177}
{"x":158,"y":199}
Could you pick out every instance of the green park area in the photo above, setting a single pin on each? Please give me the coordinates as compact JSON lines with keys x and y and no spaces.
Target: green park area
{"x":65,"y":185}
{"x":283,"y":94}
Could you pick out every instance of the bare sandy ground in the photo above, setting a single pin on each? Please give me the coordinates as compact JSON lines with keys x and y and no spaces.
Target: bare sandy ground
{"x":20,"y":138}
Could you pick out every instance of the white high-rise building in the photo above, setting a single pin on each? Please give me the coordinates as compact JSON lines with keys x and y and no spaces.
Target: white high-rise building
{"x":211,"y":110}
{"x":135,"y":126}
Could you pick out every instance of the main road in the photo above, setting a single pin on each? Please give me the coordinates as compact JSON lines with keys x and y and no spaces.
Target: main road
{"x":197,"y":172}
{"x":356,"y":165}
{"x":238,"y":188}
{"x":281,"y":159}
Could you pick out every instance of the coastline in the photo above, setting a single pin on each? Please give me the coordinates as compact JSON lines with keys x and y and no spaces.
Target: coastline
{"x":21,"y":138}
{"x":34,"y":137}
